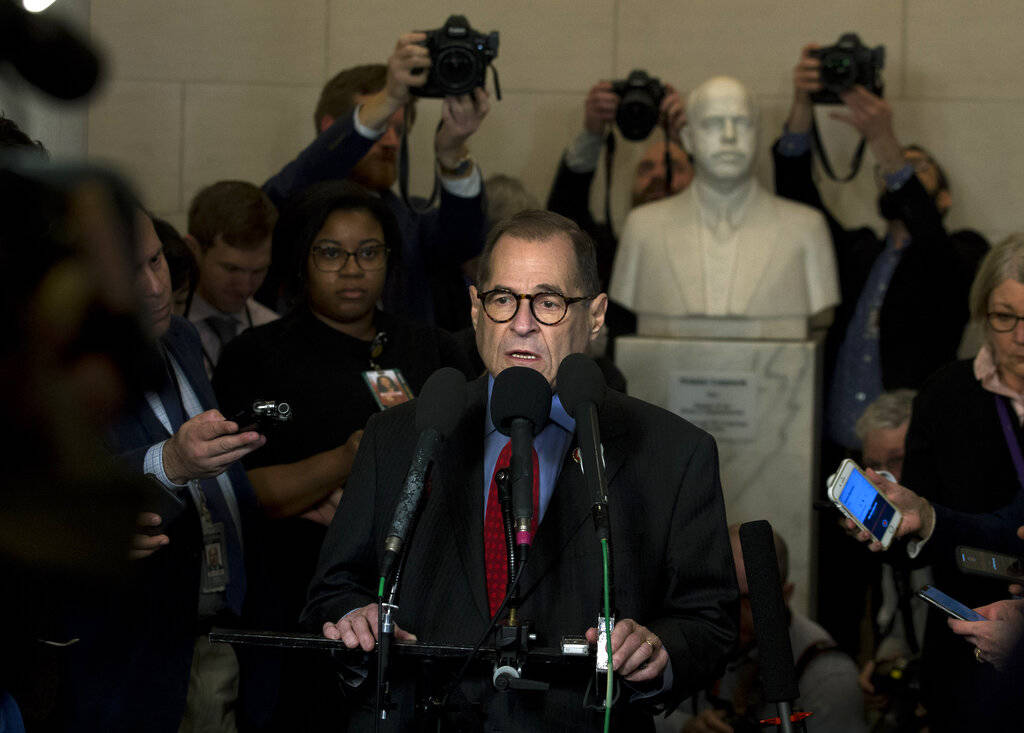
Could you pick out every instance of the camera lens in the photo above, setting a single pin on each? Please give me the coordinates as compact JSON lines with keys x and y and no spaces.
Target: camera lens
{"x":457,"y":70}
{"x":838,"y":71}
{"x":637,"y":114}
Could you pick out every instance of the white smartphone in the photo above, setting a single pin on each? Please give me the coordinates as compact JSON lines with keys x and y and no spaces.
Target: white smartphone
{"x":858,"y":499}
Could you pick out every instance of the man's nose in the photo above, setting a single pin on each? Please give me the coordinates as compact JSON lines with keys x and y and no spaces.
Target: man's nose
{"x":524,"y":322}
{"x":391,"y":138}
{"x":1018,"y":332}
{"x":729,"y":130}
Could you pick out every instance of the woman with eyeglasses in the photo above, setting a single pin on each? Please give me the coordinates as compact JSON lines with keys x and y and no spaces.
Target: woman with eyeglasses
{"x":963,"y":451}
{"x":323,"y":358}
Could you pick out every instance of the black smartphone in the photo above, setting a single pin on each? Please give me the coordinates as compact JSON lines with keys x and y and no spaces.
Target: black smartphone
{"x":158,"y":499}
{"x":991,"y":564}
{"x":951,"y":606}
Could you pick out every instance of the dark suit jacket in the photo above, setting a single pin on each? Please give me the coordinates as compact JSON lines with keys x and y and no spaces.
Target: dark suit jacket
{"x":130,"y":672}
{"x":925,"y":307}
{"x":428,"y":285}
{"x":672,"y":560}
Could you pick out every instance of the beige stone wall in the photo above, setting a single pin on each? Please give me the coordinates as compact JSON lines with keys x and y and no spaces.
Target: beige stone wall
{"x":203,"y":90}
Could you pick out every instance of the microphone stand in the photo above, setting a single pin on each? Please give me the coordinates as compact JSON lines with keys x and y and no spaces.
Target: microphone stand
{"x":512,"y":639}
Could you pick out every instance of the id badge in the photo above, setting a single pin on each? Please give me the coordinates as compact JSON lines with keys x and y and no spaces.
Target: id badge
{"x":215,"y":559}
{"x":388,"y":387}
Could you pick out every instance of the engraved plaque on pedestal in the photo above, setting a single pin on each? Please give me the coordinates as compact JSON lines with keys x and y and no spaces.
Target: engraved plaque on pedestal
{"x":760,"y":399}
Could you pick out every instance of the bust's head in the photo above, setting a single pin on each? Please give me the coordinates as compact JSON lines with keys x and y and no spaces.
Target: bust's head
{"x":721,"y":131}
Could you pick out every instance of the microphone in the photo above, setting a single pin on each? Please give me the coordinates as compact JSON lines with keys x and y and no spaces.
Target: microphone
{"x":778,"y":674}
{"x":438,"y":410}
{"x":46,"y":53}
{"x":520,"y":404}
{"x":581,"y":389}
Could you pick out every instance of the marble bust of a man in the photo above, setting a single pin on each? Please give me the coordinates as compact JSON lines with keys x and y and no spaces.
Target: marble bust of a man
{"x":725,"y":246}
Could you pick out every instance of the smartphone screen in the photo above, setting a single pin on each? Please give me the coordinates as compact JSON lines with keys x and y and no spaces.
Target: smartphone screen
{"x":954,"y":608}
{"x":862,"y":500}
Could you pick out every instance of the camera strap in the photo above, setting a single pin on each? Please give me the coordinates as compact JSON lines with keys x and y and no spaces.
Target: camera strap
{"x":855,"y":163}
{"x":403,"y":169}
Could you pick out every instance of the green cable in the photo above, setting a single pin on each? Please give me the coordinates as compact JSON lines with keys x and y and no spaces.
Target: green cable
{"x":380,"y":588}
{"x":607,"y":638}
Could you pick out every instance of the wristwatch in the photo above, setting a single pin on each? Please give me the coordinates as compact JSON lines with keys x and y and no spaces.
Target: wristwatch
{"x":461,"y":169}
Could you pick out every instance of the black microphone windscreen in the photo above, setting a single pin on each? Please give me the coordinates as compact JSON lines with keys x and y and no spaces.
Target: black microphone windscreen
{"x":580,"y":380}
{"x":442,"y":401}
{"x":520,"y":392}
{"x":48,"y":54}
{"x":778,"y":675}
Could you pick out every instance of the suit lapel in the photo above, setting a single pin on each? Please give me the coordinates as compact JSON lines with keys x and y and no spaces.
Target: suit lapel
{"x":570,"y":508}
{"x":685,"y":257}
{"x":461,"y":477}
{"x":755,"y":247}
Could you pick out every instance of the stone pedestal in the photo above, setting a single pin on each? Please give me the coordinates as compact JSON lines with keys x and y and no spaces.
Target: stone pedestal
{"x":760,"y":399}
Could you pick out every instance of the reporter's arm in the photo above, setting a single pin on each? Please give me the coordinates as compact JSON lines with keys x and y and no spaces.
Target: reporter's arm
{"x":288,"y":489}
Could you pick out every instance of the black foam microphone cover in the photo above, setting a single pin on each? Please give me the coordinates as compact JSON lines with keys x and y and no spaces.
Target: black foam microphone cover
{"x":48,"y":54}
{"x":778,"y":675}
{"x":520,"y":393}
{"x":442,"y":401}
{"x":580,"y":381}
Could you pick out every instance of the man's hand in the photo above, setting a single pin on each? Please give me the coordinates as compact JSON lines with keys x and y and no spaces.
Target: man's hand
{"x":407,"y":67}
{"x":637,"y":654}
{"x":359,"y":629}
{"x":873,"y":700}
{"x":998,"y":638}
{"x":918,"y":515}
{"x":206,"y":445}
{"x":871,"y":116}
{"x":673,"y":112}
{"x":323,"y":513}
{"x":460,"y":117}
{"x":806,"y":80}
{"x":709,"y":721}
{"x":599,"y":108}
{"x":144,"y":545}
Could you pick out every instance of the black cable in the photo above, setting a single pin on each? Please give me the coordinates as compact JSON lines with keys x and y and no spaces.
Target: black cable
{"x":483,"y":638}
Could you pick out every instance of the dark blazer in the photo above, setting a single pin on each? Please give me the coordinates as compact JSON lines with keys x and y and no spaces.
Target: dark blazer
{"x":429,"y":284}
{"x":924,"y":310}
{"x":957,"y":458}
{"x":672,"y":559}
{"x":130,"y":671}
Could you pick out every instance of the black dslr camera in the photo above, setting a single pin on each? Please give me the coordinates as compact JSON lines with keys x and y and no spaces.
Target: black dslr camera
{"x":459,"y":58}
{"x":846,"y":63}
{"x":640,"y":98}
{"x":263,"y":416}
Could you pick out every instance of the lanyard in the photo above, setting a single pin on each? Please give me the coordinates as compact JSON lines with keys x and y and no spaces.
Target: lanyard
{"x":1011,"y":438}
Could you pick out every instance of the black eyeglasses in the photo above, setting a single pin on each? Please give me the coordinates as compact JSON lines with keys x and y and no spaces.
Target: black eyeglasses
{"x":1003,"y":322}
{"x":549,"y":309}
{"x":371,"y":256}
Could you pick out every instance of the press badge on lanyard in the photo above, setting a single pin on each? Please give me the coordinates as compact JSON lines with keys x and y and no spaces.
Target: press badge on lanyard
{"x":215,"y":556}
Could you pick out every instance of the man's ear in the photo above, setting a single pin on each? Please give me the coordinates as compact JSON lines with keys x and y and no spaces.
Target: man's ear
{"x":326,"y":121}
{"x":943,"y":200}
{"x":787,"y":592}
{"x":597,"y":310}
{"x":474,"y":305}
{"x":686,"y":136}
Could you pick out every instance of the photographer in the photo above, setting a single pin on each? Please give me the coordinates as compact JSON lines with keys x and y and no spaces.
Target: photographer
{"x":570,"y":193}
{"x":361,"y":117}
{"x":827,"y":678}
{"x":890,"y":331}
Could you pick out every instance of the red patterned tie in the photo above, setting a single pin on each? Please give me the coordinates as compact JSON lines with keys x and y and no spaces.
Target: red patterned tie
{"x":495,"y":559}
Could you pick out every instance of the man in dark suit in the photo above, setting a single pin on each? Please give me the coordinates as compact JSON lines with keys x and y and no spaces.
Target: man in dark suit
{"x":539,"y":300}
{"x":361,"y":118}
{"x":144,"y":662}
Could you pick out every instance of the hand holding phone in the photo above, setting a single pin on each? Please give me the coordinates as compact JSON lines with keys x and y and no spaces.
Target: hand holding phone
{"x":856,"y":497}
